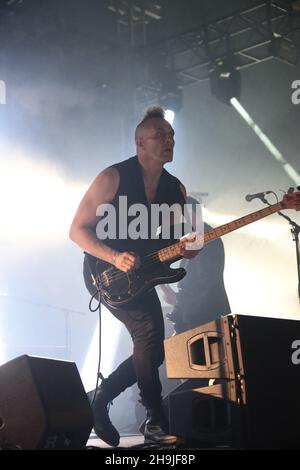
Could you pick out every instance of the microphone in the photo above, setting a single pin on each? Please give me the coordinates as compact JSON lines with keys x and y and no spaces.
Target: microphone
{"x":261,"y":196}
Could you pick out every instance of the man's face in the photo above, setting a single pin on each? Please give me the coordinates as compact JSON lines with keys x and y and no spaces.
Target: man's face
{"x":157,"y":140}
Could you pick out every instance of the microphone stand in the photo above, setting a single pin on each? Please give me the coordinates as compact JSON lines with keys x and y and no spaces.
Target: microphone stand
{"x":295,"y":230}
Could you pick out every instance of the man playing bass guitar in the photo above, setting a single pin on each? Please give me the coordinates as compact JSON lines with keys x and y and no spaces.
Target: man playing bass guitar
{"x":143,"y":180}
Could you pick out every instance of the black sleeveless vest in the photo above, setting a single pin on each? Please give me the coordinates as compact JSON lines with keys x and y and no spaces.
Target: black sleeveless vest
{"x":132,"y":185}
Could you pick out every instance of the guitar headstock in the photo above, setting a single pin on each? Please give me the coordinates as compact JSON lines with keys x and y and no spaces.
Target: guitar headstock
{"x":291,"y":200}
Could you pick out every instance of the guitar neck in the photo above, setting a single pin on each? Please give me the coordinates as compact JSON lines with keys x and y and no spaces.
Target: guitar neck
{"x":172,"y":252}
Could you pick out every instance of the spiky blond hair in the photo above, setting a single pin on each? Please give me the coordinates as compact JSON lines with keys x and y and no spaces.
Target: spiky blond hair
{"x":152,"y":112}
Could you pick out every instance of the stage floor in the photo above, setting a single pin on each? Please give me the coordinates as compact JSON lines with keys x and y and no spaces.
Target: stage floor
{"x":125,"y":441}
{"x":136,"y":442}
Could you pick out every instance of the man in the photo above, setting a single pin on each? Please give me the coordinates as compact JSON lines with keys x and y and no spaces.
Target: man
{"x":142,"y":179}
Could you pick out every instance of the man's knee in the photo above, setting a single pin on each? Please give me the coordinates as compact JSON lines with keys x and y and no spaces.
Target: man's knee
{"x":147,"y":332}
{"x":150,"y":341}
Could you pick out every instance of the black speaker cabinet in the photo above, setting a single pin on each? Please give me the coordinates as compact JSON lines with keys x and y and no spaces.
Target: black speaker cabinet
{"x":43,"y":405}
{"x":254,"y":401}
{"x":204,"y":414}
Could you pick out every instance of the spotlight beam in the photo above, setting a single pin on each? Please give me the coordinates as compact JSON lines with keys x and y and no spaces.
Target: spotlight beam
{"x":287,"y":167}
{"x":169,"y":116}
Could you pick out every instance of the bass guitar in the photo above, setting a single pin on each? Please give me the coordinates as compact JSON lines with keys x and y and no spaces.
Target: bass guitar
{"x":118,"y":288}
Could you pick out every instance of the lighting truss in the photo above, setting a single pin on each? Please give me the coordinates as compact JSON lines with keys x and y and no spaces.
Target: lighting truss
{"x":132,"y":18}
{"x":128,"y":11}
{"x":190,"y":54}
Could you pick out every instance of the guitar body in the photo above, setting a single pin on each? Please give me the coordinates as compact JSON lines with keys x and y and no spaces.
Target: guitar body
{"x":119,"y":289}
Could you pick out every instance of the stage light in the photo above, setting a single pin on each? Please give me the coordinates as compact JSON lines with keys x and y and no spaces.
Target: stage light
{"x":225,"y":81}
{"x":288,"y":5}
{"x":296,"y":6}
{"x":169,"y":116}
{"x":284,"y":49}
{"x":40,"y":210}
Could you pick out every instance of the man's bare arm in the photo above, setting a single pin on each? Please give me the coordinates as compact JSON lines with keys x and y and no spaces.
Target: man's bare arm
{"x":82,"y":230}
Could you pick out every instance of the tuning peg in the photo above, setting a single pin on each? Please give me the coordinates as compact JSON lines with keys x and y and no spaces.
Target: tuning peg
{"x":291,"y":190}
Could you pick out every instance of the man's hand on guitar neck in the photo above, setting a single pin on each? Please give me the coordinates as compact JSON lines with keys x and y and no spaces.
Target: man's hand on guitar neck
{"x":186,"y":250}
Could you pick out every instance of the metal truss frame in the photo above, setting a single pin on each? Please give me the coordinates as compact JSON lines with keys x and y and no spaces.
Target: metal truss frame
{"x":247,"y":35}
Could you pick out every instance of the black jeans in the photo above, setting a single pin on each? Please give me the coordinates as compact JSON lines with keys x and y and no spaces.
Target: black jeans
{"x":144,"y":321}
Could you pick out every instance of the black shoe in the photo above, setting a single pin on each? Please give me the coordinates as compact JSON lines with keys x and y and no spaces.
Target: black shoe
{"x":156,"y":435}
{"x":102,"y":424}
{"x":156,"y":428}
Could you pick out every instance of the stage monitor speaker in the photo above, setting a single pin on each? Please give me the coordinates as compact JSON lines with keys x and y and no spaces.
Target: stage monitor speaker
{"x":204,"y":414}
{"x":204,"y":352}
{"x":43,"y":405}
{"x":251,"y":360}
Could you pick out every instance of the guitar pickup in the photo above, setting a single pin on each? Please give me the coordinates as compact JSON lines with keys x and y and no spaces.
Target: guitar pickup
{"x":105,"y":279}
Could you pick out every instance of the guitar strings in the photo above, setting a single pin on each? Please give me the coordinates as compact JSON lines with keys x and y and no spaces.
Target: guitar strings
{"x":154,"y":257}
{"x":150,"y":259}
